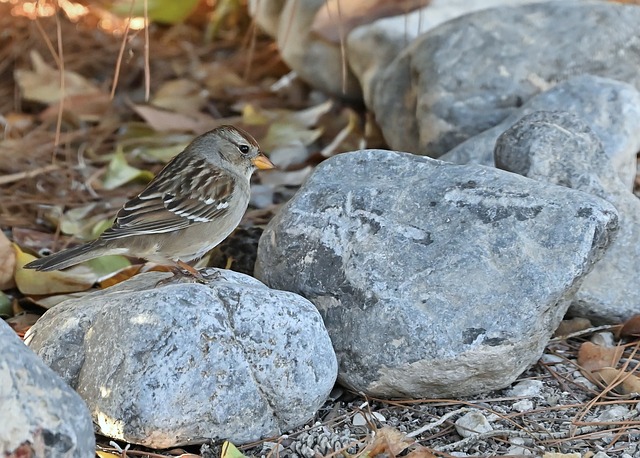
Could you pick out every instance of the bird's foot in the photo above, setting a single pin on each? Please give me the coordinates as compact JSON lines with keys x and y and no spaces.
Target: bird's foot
{"x":182,"y":273}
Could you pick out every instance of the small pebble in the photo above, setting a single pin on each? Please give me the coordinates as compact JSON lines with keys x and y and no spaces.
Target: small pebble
{"x":586,"y":383}
{"x":613,"y":413}
{"x":523,"y":406}
{"x":600,"y":455}
{"x":360,"y":419}
{"x":551,"y":359}
{"x":604,"y":339}
{"x":528,"y":388}
{"x":472,"y":424}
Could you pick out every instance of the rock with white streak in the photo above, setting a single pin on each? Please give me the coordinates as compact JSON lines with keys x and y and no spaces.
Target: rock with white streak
{"x":561,"y":149}
{"x":610,"y":108}
{"x":433,"y":279}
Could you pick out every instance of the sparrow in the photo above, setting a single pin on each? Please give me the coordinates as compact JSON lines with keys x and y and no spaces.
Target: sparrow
{"x":191,"y":206}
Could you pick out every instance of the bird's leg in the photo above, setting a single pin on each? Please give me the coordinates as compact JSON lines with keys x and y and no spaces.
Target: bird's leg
{"x":182,"y":272}
{"x":186,"y":268}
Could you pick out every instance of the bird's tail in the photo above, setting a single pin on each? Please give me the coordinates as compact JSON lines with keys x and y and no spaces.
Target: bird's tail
{"x":69,"y":257}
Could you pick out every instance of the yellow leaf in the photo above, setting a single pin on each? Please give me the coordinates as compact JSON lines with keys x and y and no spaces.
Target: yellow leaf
{"x":30,"y":281}
{"x":102,"y":454}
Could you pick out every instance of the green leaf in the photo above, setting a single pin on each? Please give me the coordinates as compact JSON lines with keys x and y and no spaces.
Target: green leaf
{"x":105,"y":265}
{"x":6,"y":309}
{"x":120,"y":172}
{"x":230,"y":451}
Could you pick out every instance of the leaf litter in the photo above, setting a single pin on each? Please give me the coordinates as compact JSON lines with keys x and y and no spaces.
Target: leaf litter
{"x":71,"y":157}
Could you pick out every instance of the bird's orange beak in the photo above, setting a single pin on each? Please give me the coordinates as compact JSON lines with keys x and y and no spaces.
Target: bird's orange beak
{"x":262,"y":162}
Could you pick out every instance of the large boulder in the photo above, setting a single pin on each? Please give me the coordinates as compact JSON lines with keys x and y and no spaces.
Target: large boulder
{"x":433,"y":279}
{"x":560,"y":148}
{"x":469,"y":74}
{"x":610,"y":108}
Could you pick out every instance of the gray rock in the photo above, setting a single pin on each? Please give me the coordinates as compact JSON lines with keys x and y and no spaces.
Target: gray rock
{"x":560,"y":148}
{"x":469,"y":74}
{"x":433,"y":279}
{"x":40,"y":415}
{"x":609,"y":107}
{"x":372,"y":47}
{"x":187,"y":363}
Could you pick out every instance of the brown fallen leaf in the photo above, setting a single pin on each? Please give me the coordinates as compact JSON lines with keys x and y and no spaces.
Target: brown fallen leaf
{"x":90,"y":107}
{"x":42,"y":84}
{"x":631,"y":327}
{"x":22,"y":322}
{"x":163,"y":121}
{"x":592,"y":357}
{"x":388,"y":441}
{"x":626,"y":382}
{"x":180,"y":96}
{"x":420,"y":452}
{"x":567,"y":327}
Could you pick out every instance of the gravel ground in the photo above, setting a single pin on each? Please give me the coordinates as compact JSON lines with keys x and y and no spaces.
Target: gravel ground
{"x":551,"y":408}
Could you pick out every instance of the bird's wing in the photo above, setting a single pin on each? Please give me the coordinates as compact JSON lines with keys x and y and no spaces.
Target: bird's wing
{"x":175,"y":199}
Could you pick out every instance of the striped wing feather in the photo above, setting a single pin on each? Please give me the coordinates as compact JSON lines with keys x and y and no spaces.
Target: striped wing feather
{"x":187,"y":191}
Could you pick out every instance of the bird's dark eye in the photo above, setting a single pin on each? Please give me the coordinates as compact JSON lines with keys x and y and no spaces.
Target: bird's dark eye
{"x":244,"y":149}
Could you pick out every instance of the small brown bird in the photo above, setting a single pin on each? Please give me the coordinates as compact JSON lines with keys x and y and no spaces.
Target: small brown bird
{"x":191,"y":206}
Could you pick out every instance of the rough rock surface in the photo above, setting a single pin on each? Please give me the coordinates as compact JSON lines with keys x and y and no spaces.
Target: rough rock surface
{"x":40,"y":415}
{"x":609,"y":107}
{"x":469,"y":74}
{"x":372,"y":47}
{"x":187,"y":363}
{"x":433,"y":279}
{"x":560,"y":148}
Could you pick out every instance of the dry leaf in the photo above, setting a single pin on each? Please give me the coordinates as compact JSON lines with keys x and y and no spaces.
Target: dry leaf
{"x":180,"y":95}
{"x":42,"y":84}
{"x":7,"y":263}
{"x":90,"y":107}
{"x":420,"y":452}
{"x":631,"y":327}
{"x":219,"y":78}
{"x":163,"y":121}
{"x":22,"y":322}
{"x":388,"y":440}
{"x":567,"y":327}
{"x":626,"y":382}
{"x":592,"y":357}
